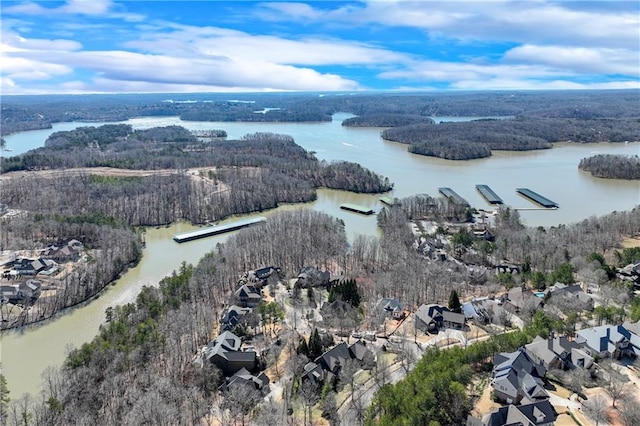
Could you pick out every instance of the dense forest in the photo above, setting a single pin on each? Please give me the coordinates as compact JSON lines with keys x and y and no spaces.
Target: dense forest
{"x":198,"y":181}
{"x":21,"y":113}
{"x":612,"y":166}
{"x":476,"y":139}
{"x":111,"y":247}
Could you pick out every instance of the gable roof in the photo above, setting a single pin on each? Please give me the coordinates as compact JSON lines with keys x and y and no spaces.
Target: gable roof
{"x":388,"y":305}
{"x":225,"y":342}
{"x":520,"y":375}
{"x":535,"y":413}
{"x":334,"y":357}
{"x":605,"y":338}
{"x":247,"y":292}
{"x":428,"y":313}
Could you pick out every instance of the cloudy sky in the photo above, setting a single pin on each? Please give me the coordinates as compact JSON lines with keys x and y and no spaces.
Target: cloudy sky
{"x":89,"y":46}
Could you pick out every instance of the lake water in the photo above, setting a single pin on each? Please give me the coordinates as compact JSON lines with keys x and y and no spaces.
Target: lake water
{"x":553,"y":173}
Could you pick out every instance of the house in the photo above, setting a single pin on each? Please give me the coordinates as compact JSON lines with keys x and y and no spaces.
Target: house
{"x":630,"y":273}
{"x":313,"y":277}
{"x":24,"y":293}
{"x":390,"y":307}
{"x":8,"y":294}
{"x":26,"y":266}
{"x":29,"y":291}
{"x":247,"y":296}
{"x":225,"y":353}
{"x":608,"y":341}
{"x":260,"y":276}
{"x":517,"y":299}
{"x":328,"y":365}
{"x":430,"y":318}
{"x":232,"y":315}
{"x":511,"y":269}
{"x":558,"y":352}
{"x":539,"y":413}
{"x":517,"y":378}
{"x":244,"y":378}
{"x":64,"y":253}
{"x":571,"y":293}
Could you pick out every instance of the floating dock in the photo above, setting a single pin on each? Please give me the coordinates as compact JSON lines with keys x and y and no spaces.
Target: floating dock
{"x":387,"y":200}
{"x":453,"y":196}
{"x":537,"y":198}
{"x":488,"y":194}
{"x":216,"y":229}
{"x":356,"y":208}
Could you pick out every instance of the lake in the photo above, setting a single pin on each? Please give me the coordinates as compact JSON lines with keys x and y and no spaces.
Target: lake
{"x":553,"y":173}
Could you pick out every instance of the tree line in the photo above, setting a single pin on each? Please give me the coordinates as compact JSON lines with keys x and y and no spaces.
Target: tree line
{"x":612,"y":166}
{"x":476,"y":139}
{"x":39,"y":112}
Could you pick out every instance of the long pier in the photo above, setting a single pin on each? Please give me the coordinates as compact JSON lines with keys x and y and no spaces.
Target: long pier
{"x":453,"y":196}
{"x":488,"y":194}
{"x":216,"y":229}
{"x":537,"y":198}
{"x":356,"y":208}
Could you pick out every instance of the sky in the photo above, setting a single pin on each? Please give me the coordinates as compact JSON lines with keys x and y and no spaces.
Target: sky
{"x":108,"y":46}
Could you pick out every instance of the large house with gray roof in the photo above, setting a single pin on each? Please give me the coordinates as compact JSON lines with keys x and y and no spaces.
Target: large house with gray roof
{"x":606,"y":341}
{"x":539,"y":413}
{"x":431,"y":318}
{"x":225,"y":353}
{"x":559,"y":352}
{"x":517,"y":378}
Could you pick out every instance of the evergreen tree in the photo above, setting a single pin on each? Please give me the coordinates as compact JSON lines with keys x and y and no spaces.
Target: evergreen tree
{"x":454,"y":302}
{"x":303,"y":348}
{"x":315,"y":344}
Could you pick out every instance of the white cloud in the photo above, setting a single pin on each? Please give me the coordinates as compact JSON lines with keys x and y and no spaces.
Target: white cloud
{"x":537,"y":22}
{"x":533,"y":84}
{"x":98,"y":8}
{"x":579,"y":59}
{"x":454,"y":71}
{"x":213,"y":42}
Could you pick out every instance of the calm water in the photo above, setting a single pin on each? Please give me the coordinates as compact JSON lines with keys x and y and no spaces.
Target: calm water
{"x":553,"y":173}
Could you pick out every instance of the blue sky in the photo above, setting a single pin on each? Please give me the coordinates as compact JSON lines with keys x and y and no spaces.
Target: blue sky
{"x":107,"y":46}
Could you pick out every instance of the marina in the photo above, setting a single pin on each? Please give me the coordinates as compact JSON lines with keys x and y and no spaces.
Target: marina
{"x":216,"y":229}
{"x":537,"y":198}
{"x":356,"y":208}
{"x":453,"y":196}
{"x":488,"y":194}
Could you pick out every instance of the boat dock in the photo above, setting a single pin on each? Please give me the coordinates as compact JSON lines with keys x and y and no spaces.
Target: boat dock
{"x":453,"y":196}
{"x":356,"y":208}
{"x":216,"y":229}
{"x":488,"y":194}
{"x":387,"y":200}
{"x":537,"y":198}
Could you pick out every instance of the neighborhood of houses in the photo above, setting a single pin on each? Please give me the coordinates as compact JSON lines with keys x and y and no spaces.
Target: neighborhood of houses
{"x":24,"y":277}
{"x":519,"y":381}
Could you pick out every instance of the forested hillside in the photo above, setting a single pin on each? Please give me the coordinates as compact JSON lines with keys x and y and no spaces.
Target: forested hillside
{"x":612,"y":166}
{"x":138,"y":369}
{"x":476,"y":139}
{"x":198,"y":181}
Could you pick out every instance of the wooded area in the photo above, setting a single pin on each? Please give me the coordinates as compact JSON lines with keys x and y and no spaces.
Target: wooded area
{"x":197,"y":181}
{"x":612,"y":166}
{"x":377,"y":110}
